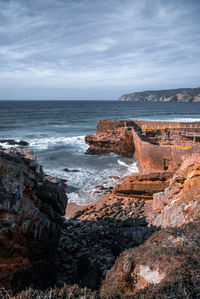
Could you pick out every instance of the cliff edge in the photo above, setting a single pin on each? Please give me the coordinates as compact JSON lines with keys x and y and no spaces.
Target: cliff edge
{"x":31,"y":210}
{"x":169,"y":95}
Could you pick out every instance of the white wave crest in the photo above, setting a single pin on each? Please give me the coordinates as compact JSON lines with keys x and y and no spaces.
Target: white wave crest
{"x":184,"y":119}
{"x":131,"y":168}
{"x":48,"y":143}
{"x":6,"y":145}
{"x":122,"y":163}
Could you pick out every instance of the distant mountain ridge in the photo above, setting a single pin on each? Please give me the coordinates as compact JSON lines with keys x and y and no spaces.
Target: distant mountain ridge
{"x":169,"y":95}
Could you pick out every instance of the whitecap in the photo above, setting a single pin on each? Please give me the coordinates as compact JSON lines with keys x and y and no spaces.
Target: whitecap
{"x":6,"y":145}
{"x":131,"y":168}
{"x":51,"y":142}
{"x":122,"y":163}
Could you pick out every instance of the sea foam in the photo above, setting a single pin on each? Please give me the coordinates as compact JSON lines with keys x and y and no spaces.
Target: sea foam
{"x":51,"y":142}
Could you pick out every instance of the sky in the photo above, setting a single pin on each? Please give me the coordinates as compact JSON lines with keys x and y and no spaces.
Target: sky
{"x":97,"y":49}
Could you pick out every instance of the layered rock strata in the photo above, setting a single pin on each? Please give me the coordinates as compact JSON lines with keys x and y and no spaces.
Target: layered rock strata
{"x":143,"y":185}
{"x":156,"y":146}
{"x":164,"y":193}
{"x":31,"y":209}
{"x":180,"y":202}
{"x":118,"y":141}
{"x":168,"y":184}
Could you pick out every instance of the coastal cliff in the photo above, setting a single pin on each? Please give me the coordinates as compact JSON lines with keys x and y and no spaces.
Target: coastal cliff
{"x":168,"y":263}
{"x":156,"y":146}
{"x":31,"y":210}
{"x":170,"y":95}
{"x":168,"y":185}
{"x":141,"y":238}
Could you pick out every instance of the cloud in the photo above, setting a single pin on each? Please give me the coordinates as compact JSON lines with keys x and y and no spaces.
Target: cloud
{"x":103,"y":44}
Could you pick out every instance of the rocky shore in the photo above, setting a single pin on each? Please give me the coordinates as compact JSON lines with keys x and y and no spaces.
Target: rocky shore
{"x":141,"y":239}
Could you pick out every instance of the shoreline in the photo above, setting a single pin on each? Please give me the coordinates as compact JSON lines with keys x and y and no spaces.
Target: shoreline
{"x":148,"y":143}
{"x":124,"y":233}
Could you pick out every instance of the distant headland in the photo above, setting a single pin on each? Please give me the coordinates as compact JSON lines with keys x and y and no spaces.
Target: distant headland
{"x":169,"y":95}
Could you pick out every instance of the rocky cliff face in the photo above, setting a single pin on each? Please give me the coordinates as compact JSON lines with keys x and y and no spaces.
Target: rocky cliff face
{"x":168,"y":263}
{"x":112,"y":136}
{"x":162,"y":199}
{"x":31,"y":207}
{"x":156,"y":146}
{"x":143,"y":185}
{"x":180,"y":202}
{"x":171,"y":95}
{"x":168,"y":185}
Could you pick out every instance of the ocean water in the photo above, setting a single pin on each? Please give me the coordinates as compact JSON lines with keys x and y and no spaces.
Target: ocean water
{"x":56,"y":132}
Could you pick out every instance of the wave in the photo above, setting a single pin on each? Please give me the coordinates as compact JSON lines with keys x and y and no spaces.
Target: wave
{"x":184,"y":119}
{"x":131,"y":168}
{"x":122,"y":163}
{"x":6,"y":145}
{"x":51,"y":142}
{"x":172,"y":118}
{"x":88,"y":179}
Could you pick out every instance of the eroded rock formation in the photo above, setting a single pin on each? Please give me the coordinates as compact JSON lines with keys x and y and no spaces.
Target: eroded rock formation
{"x":113,"y":137}
{"x":164,"y":194}
{"x":180,"y":202}
{"x":168,"y":184}
{"x":31,"y":207}
{"x":156,"y":146}
{"x":144,"y":185}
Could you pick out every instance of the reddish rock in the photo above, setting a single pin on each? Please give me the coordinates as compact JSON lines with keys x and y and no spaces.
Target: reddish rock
{"x":158,"y":157}
{"x":144,"y":185}
{"x":119,"y":141}
{"x":31,"y":209}
{"x":180,"y":202}
{"x":156,"y":146}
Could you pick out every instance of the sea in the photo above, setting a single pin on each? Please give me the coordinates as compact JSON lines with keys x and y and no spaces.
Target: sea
{"x":56,"y":133}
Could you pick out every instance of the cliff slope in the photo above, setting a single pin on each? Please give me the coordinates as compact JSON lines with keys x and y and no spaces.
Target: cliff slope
{"x":179,"y":203}
{"x":167,"y":265}
{"x":170,"y":95}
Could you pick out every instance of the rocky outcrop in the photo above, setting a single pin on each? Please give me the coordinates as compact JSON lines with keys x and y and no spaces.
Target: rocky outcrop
{"x":143,"y":185}
{"x":166,"y":266}
{"x":156,"y":146}
{"x":168,"y":185}
{"x":170,"y":95}
{"x":180,"y":202}
{"x":31,"y":209}
{"x":112,"y":138}
{"x":158,"y":157}
{"x":39,"y":249}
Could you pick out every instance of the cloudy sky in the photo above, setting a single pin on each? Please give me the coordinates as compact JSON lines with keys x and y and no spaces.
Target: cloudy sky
{"x":97,"y":49}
